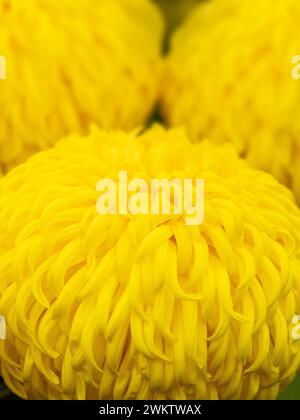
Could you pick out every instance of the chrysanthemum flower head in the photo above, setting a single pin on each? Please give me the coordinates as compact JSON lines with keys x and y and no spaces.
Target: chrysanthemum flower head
{"x":230,"y":76}
{"x":141,"y":306}
{"x":70,"y":63}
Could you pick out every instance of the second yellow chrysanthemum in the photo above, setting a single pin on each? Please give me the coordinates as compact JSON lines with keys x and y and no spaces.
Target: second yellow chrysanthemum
{"x":71,"y":63}
{"x":229,"y":77}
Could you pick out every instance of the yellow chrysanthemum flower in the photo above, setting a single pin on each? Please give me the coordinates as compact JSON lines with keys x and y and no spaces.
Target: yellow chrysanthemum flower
{"x":72,"y":63}
{"x":132,"y":307}
{"x":230,"y":76}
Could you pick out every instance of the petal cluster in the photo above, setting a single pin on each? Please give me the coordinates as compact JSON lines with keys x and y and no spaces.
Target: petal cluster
{"x":134,"y":307}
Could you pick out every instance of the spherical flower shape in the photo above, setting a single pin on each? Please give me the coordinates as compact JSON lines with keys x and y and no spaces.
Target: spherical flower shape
{"x":73,"y":63}
{"x":124,"y":306}
{"x":230,"y":76}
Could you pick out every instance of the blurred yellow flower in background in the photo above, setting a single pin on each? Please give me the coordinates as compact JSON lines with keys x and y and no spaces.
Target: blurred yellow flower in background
{"x":229,"y":76}
{"x":72,"y":63}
